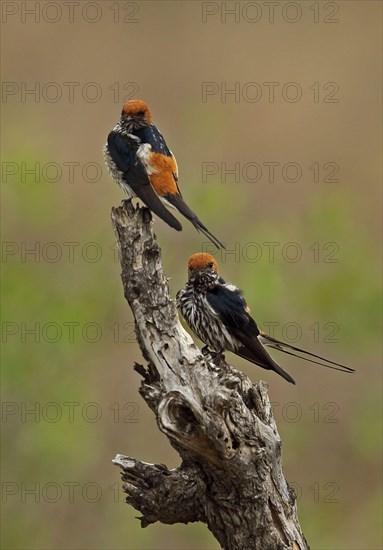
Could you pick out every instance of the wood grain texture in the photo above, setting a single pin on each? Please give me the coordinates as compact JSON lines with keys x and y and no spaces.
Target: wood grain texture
{"x":220,"y":423}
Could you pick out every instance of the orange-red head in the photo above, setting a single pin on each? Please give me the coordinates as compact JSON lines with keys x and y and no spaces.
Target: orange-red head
{"x":201,"y":262}
{"x":136,"y":108}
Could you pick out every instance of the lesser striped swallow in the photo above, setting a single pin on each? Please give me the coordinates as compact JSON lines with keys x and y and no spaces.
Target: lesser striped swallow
{"x":139,"y":160}
{"x":219,"y":315}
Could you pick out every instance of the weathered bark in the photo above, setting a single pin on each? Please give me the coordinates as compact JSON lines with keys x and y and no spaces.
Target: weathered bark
{"x":221,"y":424}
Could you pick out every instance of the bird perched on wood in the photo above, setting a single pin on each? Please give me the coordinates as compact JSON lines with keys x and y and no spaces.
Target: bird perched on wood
{"x":219,"y":315}
{"x":139,"y":160}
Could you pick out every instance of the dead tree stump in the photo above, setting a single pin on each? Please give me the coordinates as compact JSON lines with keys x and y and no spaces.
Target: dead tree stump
{"x":219,"y":422}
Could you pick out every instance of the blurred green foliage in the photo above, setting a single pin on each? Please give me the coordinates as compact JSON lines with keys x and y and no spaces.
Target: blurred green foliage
{"x":329,"y":423}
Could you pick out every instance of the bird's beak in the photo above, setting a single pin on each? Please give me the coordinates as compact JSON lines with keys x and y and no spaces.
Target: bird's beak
{"x":203,"y":271}
{"x":126,"y":118}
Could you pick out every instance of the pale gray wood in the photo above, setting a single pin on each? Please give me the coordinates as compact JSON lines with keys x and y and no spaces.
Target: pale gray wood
{"x":220,"y":423}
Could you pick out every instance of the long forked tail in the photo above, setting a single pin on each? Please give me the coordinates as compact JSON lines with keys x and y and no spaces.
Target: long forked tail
{"x":201,"y":227}
{"x":254,"y":351}
{"x":178,"y":203}
{"x":149,"y":197}
{"x":268,"y":364}
{"x":267,"y":340}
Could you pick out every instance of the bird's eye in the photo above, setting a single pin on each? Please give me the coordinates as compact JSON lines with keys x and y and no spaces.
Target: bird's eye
{"x":141,"y":113}
{"x":210,"y":264}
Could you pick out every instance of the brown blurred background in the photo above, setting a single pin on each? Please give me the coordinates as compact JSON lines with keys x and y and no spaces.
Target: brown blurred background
{"x":302,"y":242}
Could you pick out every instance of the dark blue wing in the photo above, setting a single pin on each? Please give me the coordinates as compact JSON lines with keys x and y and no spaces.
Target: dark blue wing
{"x":231,"y":308}
{"x":150,"y":134}
{"x":123,"y":151}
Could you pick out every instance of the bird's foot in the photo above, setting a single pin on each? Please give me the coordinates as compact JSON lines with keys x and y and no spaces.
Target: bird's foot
{"x":127,"y":202}
{"x":216,"y":356}
{"x":146,"y":215}
{"x":205,"y":350}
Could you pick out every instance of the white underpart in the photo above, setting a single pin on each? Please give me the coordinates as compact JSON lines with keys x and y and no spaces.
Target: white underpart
{"x":208,"y":327}
{"x":115,"y":173}
{"x":215,"y":315}
{"x":144,"y":153}
{"x":132,"y":136}
{"x":233,"y":288}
